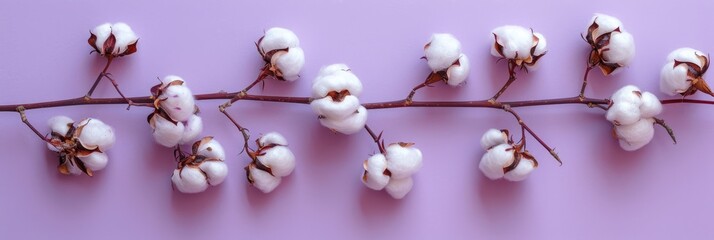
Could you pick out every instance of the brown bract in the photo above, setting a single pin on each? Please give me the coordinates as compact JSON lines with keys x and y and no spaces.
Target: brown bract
{"x":598,"y":47}
{"x":519,"y":152}
{"x":695,"y":75}
{"x":156,"y":91}
{"x":194,"y":160}
{"x":108,"y":46}
{"x":255,"y":163}
{"x":70,"y":148}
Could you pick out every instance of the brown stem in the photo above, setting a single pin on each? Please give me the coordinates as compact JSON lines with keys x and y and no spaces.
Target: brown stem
{"x":376,"y":139}
{"x":99,"y":78}
{"x":511,"y":79}
{"x":244,"y":131}
{"x":486,"y":103}
{"x":128,"y":101}
{"x":408,"y":100}
{"x":23,"y":117}
{"x":682,"y":100}
{"x":667,"y":128}
{"x":508,"y":109}
{"x":585,"y":81}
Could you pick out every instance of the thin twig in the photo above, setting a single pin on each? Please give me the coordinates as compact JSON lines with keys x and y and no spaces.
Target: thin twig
{"x":585,"y":81}
{"x":511,"y":79}
{"x":667,"y":128}
{"x":508,"y":109}
{"x":244,"y":131}
{"x":376,"y":138}
{"x":408,"y":100}
{"x":23,"y":117}
{"x":99,"y":78}
{"x":128,"y":101}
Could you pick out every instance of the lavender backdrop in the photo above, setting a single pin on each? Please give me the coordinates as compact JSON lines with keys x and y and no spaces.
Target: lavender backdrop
{"x":600,"y":192}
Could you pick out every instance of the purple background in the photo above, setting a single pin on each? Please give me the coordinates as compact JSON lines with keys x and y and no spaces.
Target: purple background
{"x":601,"y":191}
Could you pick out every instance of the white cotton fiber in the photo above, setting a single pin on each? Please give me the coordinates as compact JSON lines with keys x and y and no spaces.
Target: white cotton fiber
{"x":349,"y":125}
{"x":192,"y":129}
{"x":272,"y":138}
{"x":337,"y":81}
{"x":621,"y":49}
{"x":673,"y":79}
{"x":211,"y":149}
{"x":60,"y":124}
{"x":493,"y":137}
{"x":216,"y":171}
{"x":279,"y":159}
{"x":189,"y":180}
{"x":516,"y":41}
{"x":521,"y":172}
{"x":96,"y":134}
{"x":457,"y":74}
{"x":442,"y":50}
{"x":278,"y":38}
{"x":623,"y":113}
{"x":290,"y":63}
{"x":605,"y":24}
{"x":102,"y":33}
{"x":373,"y":176}
{"x":651,"y":106}
{"x":329,"y":108}
{"x":262,"y":180}
{"x":95,"y":160}
{"x":398,"y":188}
{"x":495,"y":159}
{"x":165,"y":132}
{"x":403,"y":162}
{"x":637,"y":135}
{"x":179,"y":102}
{"x":124,"y":37}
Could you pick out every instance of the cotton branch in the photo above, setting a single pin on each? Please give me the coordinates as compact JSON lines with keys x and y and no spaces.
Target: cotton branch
{"x":552,"y":152}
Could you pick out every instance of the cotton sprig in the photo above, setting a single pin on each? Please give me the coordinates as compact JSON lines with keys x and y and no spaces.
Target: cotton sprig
{"x":271,"y":162}
{"x":684,"y":73}
{"x":393,"y":170}
{"x":336,"y":90}
{"x":504,"y":158}
{"x":204,"y":167}
{"x":633,"y":114}
{"x":113,"y":40}
{"x":522,"y":47}
{"x":174,"y":120}
{"x":612,"y":46}
{"x":82,"y":147}
{"x":280,"y":49}
{"x":447,"y":62}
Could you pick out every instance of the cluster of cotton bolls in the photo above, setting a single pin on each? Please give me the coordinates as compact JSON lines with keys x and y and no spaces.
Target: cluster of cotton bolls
{"x":336,"y":90}
{"x":632,"y":112}
{"x":280,"y":49}
{"x":271,"y":162}
{"x":113,"y":40}
{"x":521,"y":46}
{"x":503,"y":158}
{"x":393,"y":170}
{"x":612,"y":46}
{"x":684,"y":71}
{"x":447,"y":62}
{"x":82,"y":148}
{"x":204,"y":167}
{"x":174,"y":120}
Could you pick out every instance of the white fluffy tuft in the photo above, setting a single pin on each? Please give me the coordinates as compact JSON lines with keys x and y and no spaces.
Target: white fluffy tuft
{"x":165,"y":132}
{"x":279,"y":159}
{"x":262,"y":180}
{"x":495,"y":159}
{"x":398,"y":188}
{"x":192,"y":129}
{"x":95,"y":160}
{"x":636,"y":135}
{"x":329,"y":108}
{"x":493,"y":137}
{"x":278,"y":38}
{"x":189,"y":180}
{"x":350,"y":125}
{"x":457,"y":74}
{"x":216,"y":171}
{"x":272,"y":138}
{"x":211,"y":149}
{"x":373,"y":177}
{"x":673,"y":78}
{"x":522,"y":170}
{"x":442,"y":51}
{"x":403,"y":162}
{"x":96,"y":134}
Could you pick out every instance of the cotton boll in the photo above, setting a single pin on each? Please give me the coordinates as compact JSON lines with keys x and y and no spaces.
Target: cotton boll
{"x":398,"y":188}
{"x":493,"y":137}
{"x":605,"y":24}
{"x":515,"y":40}
{"x":328,"y":108}
{"x":673,"y":79}
{"x":101,"y":33}
{"x":542,"y":46}
{"x":349,"y":125}
{"x":95,"y":160}
{"x":211,"y":149}
{"x":623,"y":113}
{"x":290,"y":63}
{"x":627,"y":94}
{"x":621,"y":49}
{"x":262,"y":180}
{"x":189,"y":180}
{"x":170,"y":78}
{"x":165,"y":132}
{"x":686,"y":54}
{"x":457,"y":74}
{"x":96,"y":134}
{"x":337,"y":81}
{"x":521,"y":172}
{"x":373,"y":176}
{"x":442,"y":50}
{"x":279,"y":159}
{"x":402,"y":161}
{"x":179,"y":102}
{"x":192,"y":129}
{"x":495,"y":159}
{"x":216,"y":171}
{"x":637,"y":135}
{"x":278,"y":38}
{"x":272,"y":138}
{"x":124,"y":37}
{"x":651,"y":106}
